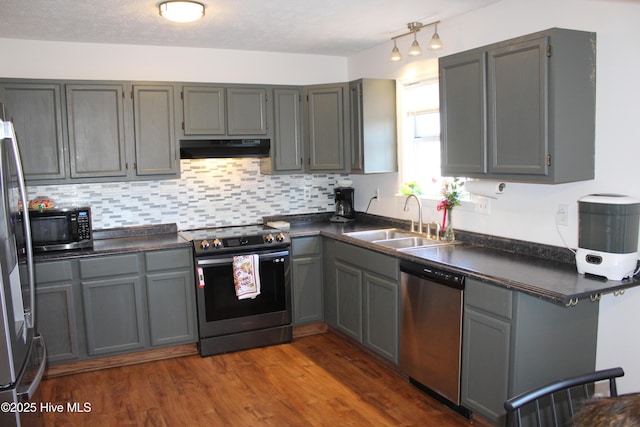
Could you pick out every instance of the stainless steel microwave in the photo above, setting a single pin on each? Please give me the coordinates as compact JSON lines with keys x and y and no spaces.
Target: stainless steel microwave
{"x":61,"y":229}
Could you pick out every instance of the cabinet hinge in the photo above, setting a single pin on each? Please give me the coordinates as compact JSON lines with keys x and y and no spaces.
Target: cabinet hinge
{"x":549,"y":51}
{"x":131,"y":93}
{"x":126,"y":166}
{"x":548,"y":159}
{"x":182,"y":125}
{"x":360,"y":92}
{"x":135,"y":166}
{"x":182,"y":95}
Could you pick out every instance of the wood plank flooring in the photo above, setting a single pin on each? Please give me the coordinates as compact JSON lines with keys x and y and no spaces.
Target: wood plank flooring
{"x":318,"y":380}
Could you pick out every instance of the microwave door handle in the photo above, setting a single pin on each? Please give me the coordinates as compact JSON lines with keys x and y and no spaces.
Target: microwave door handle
{"x":29,"y":312}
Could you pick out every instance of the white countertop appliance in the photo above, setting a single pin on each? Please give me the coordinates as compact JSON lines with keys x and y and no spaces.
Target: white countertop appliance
{"x":608,"y":235}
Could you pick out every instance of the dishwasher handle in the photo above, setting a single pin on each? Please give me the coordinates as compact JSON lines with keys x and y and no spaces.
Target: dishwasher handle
{"x":437,"y":275}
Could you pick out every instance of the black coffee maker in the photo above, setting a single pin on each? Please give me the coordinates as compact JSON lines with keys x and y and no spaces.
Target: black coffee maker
{"x":344,"y":205}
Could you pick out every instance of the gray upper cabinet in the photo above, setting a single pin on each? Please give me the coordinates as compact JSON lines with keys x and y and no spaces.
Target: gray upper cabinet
{"x":95,"y":119}
{"x":226,"y":111}
{"x":373,"y":126}
{"x":204,"y":110}
{"x":521,"y":110}
{"x":37,"y":114}
{"x":327,"y":136}
{"x":287,"y":144}
{"x":155,"y":136}
{"x":247,"y":111}
{"x":463,"y":100}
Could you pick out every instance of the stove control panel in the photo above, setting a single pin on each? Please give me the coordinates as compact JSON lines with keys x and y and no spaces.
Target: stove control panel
{"x":253,"y":241}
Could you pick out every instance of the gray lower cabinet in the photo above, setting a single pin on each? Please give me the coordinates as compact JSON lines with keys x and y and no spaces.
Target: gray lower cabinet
{"x":361,"y":296}
{"x":56,"y":317}
{"x":38,"y":117}
{"x":306,"y":279}
{"x":513,"y":342}
{"x":114,"y":304}
{"x":170,"y":289}
{"x":112,"y":297}
{"x":327,"y":128}
{"x":522,"y":109}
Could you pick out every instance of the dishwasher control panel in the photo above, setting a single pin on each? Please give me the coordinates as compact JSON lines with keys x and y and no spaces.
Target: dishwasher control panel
{"x":437,"y":275}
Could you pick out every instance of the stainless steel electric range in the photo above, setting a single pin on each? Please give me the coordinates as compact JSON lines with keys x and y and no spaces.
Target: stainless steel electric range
{"x":228,"y":321}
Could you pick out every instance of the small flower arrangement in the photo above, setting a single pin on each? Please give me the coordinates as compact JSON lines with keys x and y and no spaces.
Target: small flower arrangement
{"x":451,"y":191}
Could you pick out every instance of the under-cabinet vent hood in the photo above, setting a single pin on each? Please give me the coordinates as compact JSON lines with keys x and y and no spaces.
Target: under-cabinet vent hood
{"x":223,"y":148}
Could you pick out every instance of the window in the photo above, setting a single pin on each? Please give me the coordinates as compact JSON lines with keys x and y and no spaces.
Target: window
{"x":421,"y":144}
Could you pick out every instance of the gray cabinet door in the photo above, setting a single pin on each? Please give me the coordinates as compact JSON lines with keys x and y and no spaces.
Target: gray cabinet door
{"x":349,"y":300}
{"x":57,"y":322}
{"x":381,"y":316}
{"x":307,"y":279}
{"x":539,"y":110}
{"x":155,"y":137}
{"x":247,"y":111}
{"x":373,"y":126}
{"x":287,"y":144}
{"x":204,"y":110}
{"x":485,"y":363}
{"x":463,"y":119}
{"x":114,"y":315}
{"x":327,"y":119}
{"x":518,"y":89}
{"x":95,"y":121}
{"x":171,"y":305}
{"x":36,"y":111}
{"x":170,"y":290}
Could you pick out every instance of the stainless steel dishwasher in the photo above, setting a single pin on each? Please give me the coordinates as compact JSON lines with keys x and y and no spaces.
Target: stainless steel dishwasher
{"x":431,"y":331}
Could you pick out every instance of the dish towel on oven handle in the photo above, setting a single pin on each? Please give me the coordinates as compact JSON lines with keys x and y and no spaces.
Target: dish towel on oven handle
{"x":246,"y":277}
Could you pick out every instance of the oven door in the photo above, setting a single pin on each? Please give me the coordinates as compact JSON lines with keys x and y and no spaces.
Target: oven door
{"x":220,"y":312}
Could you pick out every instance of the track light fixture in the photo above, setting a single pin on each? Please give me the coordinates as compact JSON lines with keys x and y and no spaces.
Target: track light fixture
{"x":415,"y":50}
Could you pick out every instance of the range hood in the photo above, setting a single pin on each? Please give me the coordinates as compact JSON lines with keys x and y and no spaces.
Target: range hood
{"x":223,"y":148}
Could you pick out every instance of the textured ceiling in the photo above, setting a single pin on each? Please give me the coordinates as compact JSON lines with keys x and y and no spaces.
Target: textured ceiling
{"x":323,"y":27}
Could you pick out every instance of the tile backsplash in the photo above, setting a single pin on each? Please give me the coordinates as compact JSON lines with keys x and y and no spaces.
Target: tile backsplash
{"x":209,"y":193}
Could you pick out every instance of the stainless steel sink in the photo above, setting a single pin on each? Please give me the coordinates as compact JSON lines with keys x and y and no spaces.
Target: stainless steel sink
{"x":396,"y":238}
{"x":380,"y":234}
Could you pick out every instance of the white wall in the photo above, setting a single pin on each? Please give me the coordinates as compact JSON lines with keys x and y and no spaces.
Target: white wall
{"x":527,"y":211}
{"x":61,"y":60}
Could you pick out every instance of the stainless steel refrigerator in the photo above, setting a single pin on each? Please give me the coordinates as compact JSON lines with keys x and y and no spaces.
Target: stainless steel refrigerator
{"x":22,"y":349}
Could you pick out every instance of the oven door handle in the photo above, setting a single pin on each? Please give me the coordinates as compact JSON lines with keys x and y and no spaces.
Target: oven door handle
{"x":229,"y":260}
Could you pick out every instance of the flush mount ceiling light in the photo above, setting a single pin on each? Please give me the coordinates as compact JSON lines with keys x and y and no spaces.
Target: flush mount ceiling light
{"x":415,"y":49}
{"x":181,"y":11}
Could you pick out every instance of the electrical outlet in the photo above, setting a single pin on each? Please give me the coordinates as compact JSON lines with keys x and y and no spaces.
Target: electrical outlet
{"x":307,"y":193}
{"x":562,"y":215}
{"x":483,"y":205}
{"x":377,"y":194}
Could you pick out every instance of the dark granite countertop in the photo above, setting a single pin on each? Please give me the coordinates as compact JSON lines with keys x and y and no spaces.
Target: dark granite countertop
{"x":554,"y":281}
{"x":125,"y":240}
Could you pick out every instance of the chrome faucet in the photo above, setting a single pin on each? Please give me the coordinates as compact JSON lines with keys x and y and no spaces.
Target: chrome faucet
{"x":419,"y":212}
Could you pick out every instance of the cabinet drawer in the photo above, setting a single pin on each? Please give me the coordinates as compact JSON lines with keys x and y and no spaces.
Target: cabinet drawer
{"x":306,"y":246}
{"x":168,"y":260}
{"x":492,"y":299}
{"x":108,"y":266}
{"x":53,"y":271}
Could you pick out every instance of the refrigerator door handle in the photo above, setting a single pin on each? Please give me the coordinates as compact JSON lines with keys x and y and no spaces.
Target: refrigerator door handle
{"x":26,"y":391}
{"x":8,"y":132}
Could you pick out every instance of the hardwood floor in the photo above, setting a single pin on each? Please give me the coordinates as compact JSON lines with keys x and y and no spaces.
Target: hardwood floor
{"x":318,"y":380}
